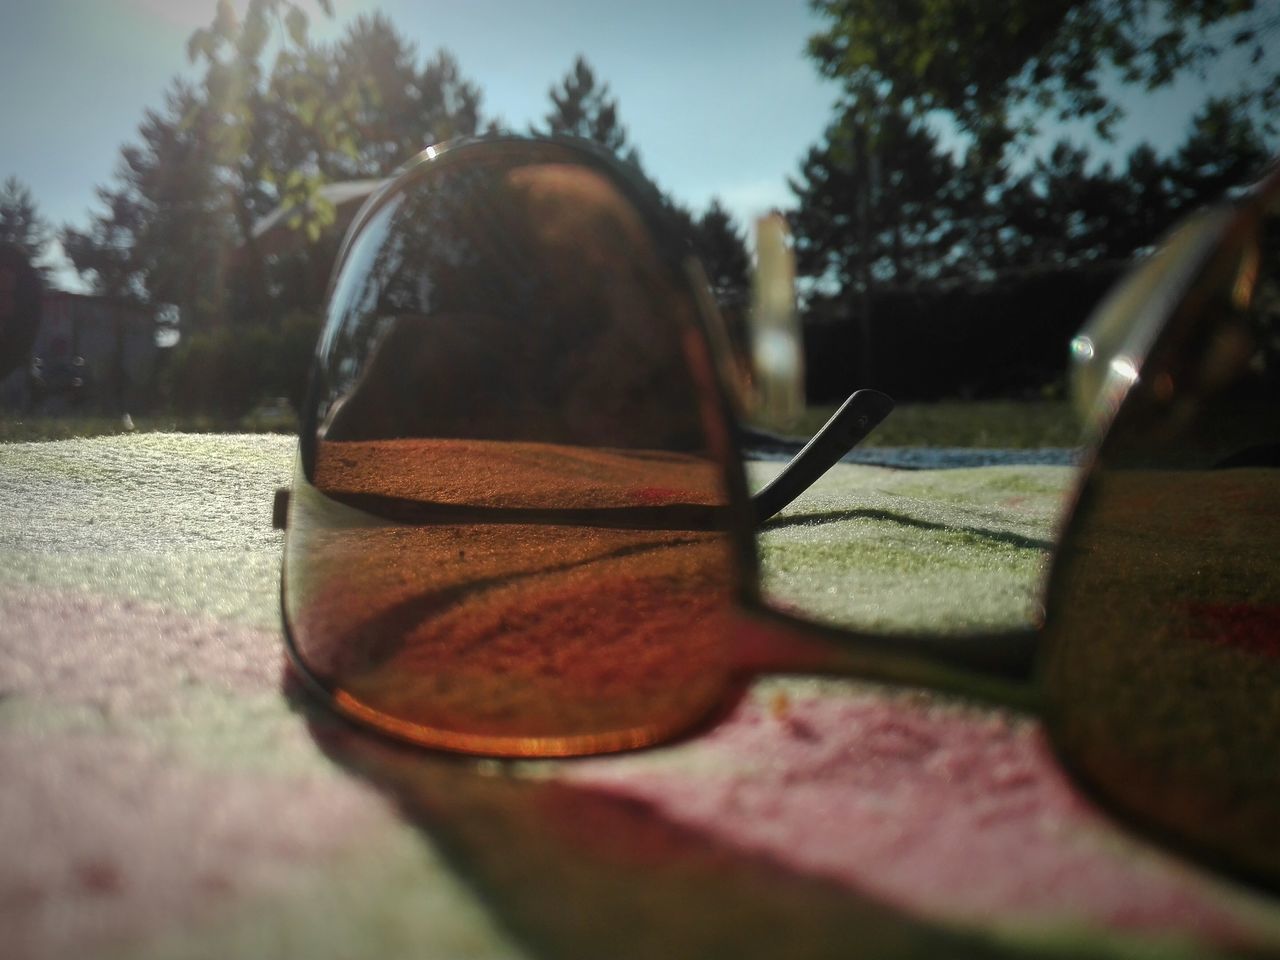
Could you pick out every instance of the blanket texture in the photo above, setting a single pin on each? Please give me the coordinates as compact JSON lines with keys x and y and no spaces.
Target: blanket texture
{"x":168,"y":791}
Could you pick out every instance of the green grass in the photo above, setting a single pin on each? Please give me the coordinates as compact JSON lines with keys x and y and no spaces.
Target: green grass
{"x":1008,"y":424}
{"x":991,"y":423}
{"x":17,"y":429}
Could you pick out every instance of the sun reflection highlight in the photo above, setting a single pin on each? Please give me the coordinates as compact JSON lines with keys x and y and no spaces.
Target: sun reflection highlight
{"x":1125,"y":368}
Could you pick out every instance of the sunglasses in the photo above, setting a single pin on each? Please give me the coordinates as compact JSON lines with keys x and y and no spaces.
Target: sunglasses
{"x":520,"y":522}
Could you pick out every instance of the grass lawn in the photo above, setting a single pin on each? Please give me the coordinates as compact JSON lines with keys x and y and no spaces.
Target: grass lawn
{"x":16,"y":429}
{"x":1004,"y":424}
{"x":992,"y":423}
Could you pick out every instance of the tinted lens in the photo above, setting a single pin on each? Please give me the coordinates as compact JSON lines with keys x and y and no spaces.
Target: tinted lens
{"x":507,"y":532}
{"x":1163,"y":658}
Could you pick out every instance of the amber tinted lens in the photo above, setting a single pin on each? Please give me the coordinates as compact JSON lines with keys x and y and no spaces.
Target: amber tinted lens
{"x":1163,"y":649}
{"x":507,"y":534}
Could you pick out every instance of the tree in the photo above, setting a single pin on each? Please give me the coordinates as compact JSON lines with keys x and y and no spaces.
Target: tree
{"x":450,"y":104}
{"x":995,"y":67}
{"x":375,"y":71}
{"x":721,"y":246}
{"x":1065,"y":211}
{"x":876,"y":201}
{"x":881,"y":204}
{"x":583,"y":108}
{"x":1148,"y":202}
{"x":380,"y":108}
{"x":879,"y":201}
{"x":1061,"y":211}
{"x":272,"y":119}
{"x":177,"y":224}
{"x":359,"y":109}
{"x":242,"y":126}
{"x":20,"y":221}
{"x":167,"y":229}
{"x":388,"y":105}
{"x":1224,"y":150}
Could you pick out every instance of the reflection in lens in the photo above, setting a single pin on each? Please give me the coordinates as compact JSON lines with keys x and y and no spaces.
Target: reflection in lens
{"x":1163,"y":658}
{"x":507,"y":535}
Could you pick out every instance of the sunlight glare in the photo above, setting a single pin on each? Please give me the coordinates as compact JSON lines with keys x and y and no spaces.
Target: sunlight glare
{"x":190,"y":14}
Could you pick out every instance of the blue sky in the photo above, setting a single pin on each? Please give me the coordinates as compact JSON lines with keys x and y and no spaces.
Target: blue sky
{"x":716,"y":94}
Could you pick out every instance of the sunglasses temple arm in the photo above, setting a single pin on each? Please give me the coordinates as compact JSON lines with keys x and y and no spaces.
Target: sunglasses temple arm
{"x":995,"y":668}
{"x":856,"y":418}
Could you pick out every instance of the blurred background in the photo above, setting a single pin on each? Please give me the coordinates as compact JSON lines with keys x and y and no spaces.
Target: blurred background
{"x":963,"y":179}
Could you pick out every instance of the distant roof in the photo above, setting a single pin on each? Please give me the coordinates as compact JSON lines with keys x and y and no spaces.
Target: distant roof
{"x":345,"y":195}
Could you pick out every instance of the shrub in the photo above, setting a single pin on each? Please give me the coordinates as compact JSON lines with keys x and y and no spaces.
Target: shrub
{"x":226,"y":372}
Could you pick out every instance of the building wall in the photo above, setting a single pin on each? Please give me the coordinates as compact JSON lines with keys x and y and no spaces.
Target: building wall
{"x":114,"y":342}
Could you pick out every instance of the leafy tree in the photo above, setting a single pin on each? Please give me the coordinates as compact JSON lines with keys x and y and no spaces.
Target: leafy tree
{"x":177,"y":224}
{"x":1225,"y":149}
{"x":20,"y":220}
{"x":581,"y":107}
{"x":359,"y":109}
{"x":720,"y":245}
{"x":879,"y":201}
{"x":996,"y":65}
{"x":1066,"y":212}
{"x":390,"y":107}
{"x":995,"y":68}
{"x":242,"y":126}
{"x":394,"y":107}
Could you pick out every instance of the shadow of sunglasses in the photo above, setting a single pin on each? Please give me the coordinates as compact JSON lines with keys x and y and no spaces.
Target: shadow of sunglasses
{"x":520,"y":525}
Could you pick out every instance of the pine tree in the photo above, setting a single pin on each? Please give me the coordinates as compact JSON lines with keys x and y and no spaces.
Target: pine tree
{"x":166,"y":231}
{"x":20,"y":221}
{"x":583,"y":108}
{"x":177,"y":223}
{"x":722,"y":248}
{"x":877,"y":201}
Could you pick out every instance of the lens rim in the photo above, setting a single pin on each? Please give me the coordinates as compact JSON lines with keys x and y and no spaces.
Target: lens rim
{"x":706,"y":348}
{"x":1156,"y":328}
{"x":1007,"y":668}
{"x":701,"y":341}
